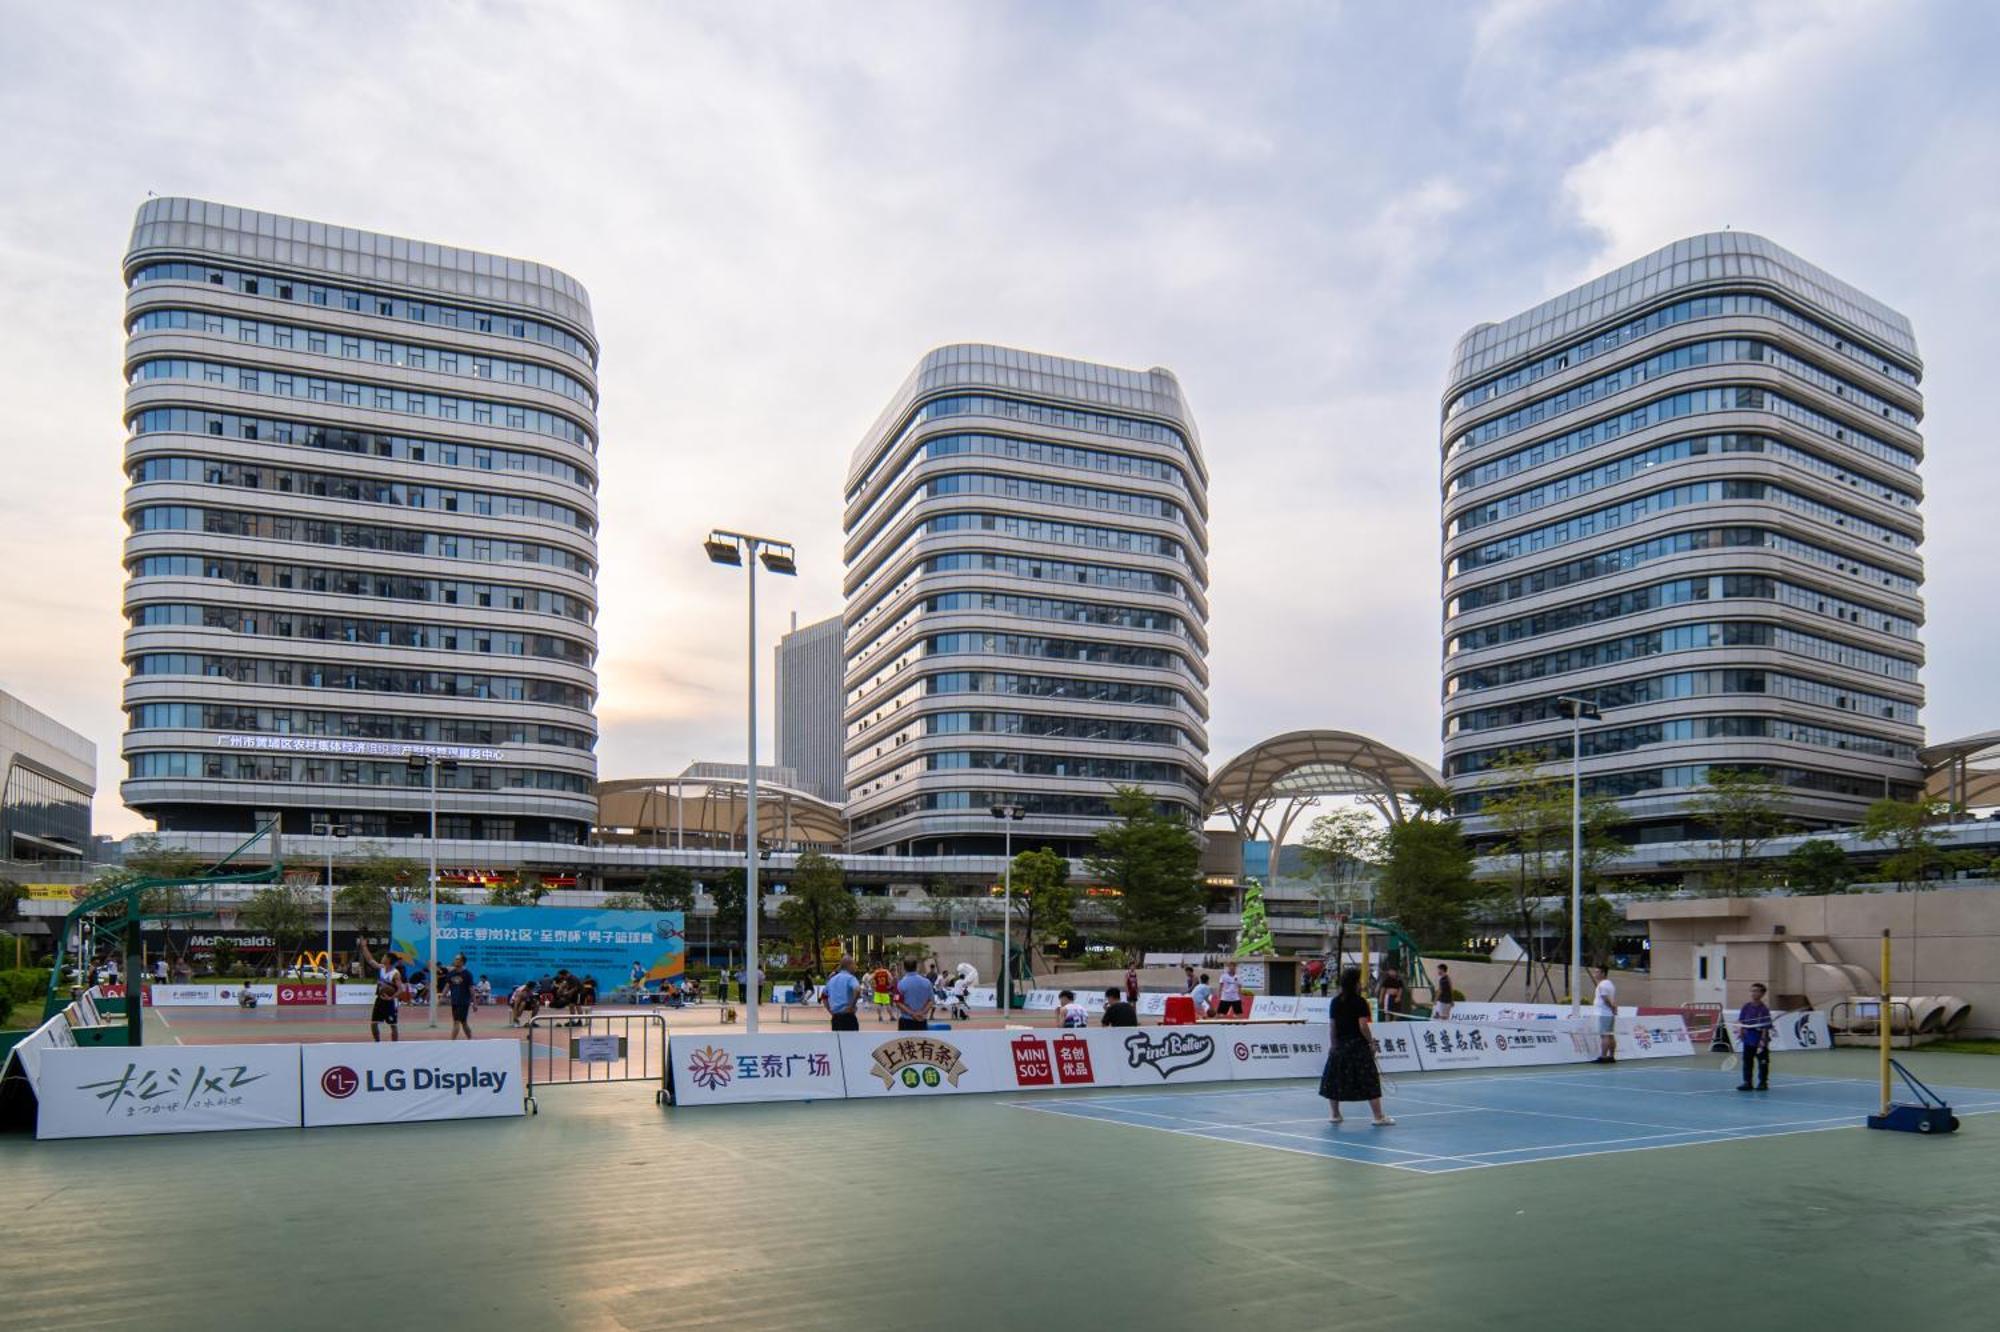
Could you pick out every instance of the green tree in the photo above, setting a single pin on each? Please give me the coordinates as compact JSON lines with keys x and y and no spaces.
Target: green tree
{"x":816,"y":908}
{"x":11,"y":896}
{"x":624,"y":902}
{"x":520,"y":888}
{"x":1532,"y":807}
{"x":1915,"y":852}
{"x":1044,"y":901}
{"x":285,"y":913}
{"x":1818,"y":866}
{"x":1425,"y":878}
{"x":1600,"y":924}
{"x":1153,"y":861}
{"x":372,"y":882}
{"x":668,"y":888}
{"x":1253,"y":936}
{"x":1344,"y":851}
{"x":1741,"y":808}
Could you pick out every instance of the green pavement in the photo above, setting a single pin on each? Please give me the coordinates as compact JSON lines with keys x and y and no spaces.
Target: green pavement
{"x":606,"y":1211}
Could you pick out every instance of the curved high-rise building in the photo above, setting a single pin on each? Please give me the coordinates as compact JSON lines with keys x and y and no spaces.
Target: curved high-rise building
{"x":362,"y":525}
{"x":1688,"y":492}
{"x":1027,"y":603}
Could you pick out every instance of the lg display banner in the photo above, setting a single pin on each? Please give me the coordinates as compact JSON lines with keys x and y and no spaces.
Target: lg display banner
{"x":507,"y":945}
{"x":921,"y":1063}
{"x":734,"y":1068}
{"x":401,"y":1081}
{"x":122,"y":1091}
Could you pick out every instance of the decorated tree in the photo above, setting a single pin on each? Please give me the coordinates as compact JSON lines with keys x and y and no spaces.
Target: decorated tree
{"x":1254,"y":938}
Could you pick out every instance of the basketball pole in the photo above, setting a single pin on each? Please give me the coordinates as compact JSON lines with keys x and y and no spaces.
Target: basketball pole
{"x":1882,"y":1021}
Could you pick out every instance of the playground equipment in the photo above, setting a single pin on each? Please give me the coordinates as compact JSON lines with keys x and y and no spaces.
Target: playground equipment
{"x":121,"y":908}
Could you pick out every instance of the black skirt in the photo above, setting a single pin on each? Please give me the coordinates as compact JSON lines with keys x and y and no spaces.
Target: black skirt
{"x":1350,"y":1073}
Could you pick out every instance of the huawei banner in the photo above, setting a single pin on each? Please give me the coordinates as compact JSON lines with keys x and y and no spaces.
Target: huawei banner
{"x":400,"y":1081}
{"x":121,"y":1091}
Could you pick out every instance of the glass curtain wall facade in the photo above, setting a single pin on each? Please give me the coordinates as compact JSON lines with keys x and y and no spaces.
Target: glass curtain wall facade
{"x":1027,"y":603}
{"x":48,"y":774}
{"x":1688,"y":491}
{"x":362,"y":523}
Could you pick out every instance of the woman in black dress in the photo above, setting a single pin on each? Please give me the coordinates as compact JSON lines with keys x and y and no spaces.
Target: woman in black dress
{"x":1350,"y":1073}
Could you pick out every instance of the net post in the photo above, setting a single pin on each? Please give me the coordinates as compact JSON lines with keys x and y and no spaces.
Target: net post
{"x":1883,"y":1022}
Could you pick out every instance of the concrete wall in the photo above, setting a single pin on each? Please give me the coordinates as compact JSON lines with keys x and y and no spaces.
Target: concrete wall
{"x":1945,"y":942}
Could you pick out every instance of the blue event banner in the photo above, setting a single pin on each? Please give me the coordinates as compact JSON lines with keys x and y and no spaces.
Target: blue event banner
{"x":510,"y":944}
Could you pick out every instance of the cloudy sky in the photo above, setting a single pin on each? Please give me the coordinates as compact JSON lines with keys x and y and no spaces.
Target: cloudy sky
{"x":777,"y":208}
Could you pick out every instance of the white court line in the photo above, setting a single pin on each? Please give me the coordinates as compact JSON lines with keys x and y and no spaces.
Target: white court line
{"x":1052,"y":1109}
{"x":1364,"y":1146}
{"x":1825,"y":1127}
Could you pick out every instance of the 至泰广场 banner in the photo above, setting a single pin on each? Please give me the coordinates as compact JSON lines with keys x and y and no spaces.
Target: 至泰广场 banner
{"x":507,"y":945}
{"x":732,"y":1068}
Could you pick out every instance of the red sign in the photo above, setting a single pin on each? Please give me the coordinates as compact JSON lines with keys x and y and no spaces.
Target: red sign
{"x":293,"y":994}
{"x":1073,"y":1060}
{"x":1031,"y":1062}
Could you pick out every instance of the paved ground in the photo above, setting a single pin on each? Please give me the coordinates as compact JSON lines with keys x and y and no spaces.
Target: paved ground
{"x":970,"y":1213}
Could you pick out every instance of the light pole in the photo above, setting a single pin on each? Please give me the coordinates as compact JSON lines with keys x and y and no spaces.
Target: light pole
{"x":777,"y":556}
{"x":1009,"y":815}
{"x":329,"y":830}
{"x":1576,"y":709}
{"x":431,"y":764}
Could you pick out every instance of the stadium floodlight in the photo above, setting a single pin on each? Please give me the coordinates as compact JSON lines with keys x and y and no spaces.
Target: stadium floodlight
{"x":779,"y":557}
{"x":328,"y":829}
{"x":1577,"y":710}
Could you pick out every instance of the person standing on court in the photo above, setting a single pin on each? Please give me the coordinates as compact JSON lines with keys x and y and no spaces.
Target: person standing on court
{"x":1754,"y":1021}
{"x":388,"y":988}
{"x":1441,"y":994}
{"x":1350,"y":1073}
{"x":1200,"y":994}
{"x":1132,"y":984}
{"x":459,"y":988}
{"x":841,"y":995}
{"x":913,"y":999}
{"x":1229,"y":993}
{"x":1188,"y":967}
{"x":1605,"y":1007}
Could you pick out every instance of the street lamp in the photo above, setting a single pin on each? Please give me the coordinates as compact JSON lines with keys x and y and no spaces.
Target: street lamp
{"x":1009,"y":815}
{"x":329,"y":830}
{"x":1576,"y":709}
{"x":778,"y":557}
{"x":431,"y":764}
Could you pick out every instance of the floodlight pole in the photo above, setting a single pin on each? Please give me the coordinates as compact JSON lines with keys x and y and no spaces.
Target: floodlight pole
{"x":1576,"y":709}
{"x":731,"y":548}
{"x":431,"y":981}
{"x":329,"y":831}
{"x":1009,"y":815}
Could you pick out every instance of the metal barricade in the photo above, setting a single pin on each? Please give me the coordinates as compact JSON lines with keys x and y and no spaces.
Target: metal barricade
{"x":568,"y":1048}
{"x":1854,"y":1018}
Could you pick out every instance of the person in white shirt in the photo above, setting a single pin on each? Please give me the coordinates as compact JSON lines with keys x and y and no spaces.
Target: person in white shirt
{"x":1229,"y":993}
{"x":1605,"y":1007}
{"x":1072,"y":1012}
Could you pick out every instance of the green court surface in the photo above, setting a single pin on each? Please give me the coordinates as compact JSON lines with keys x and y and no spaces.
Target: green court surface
{"x":606,"y":1211}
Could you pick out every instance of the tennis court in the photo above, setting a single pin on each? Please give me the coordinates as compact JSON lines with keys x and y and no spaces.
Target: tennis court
{"x":1446,"y":1123}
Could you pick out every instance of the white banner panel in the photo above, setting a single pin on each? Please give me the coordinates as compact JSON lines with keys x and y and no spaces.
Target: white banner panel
{"x":1276,"y":1007}
{"x":1039,"y":1001}
{"x":1455,"y":1044}
{"x":1276,"y":1052}
{"x":735,"y":1068}
{"x":1049,"y":1061}
{"x":51,"y":1035}
{"x":1316,"y":1008}
{"x":119,"y":1091}
{"x":920,"y":1063}
{"x":1152,"y":1003}
{"x":1157,"y":1055}
{"x":186,"y":996}
{"x":1797,"y":1032}
{"x":982,"y":996}
{"x":343,"y":993}
{"x":1663,"y":1037}
{"x":401,"y":1081}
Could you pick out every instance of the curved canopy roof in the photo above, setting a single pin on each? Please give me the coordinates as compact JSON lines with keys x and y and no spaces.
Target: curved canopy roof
{"x":1304,"y":764}
{"x":707,"y":811}
{"x":1965,"y":771}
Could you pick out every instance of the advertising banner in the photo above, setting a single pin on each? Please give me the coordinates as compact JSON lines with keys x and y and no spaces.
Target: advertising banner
{"x":982,"y":996}
{"x":921,"y":1063}
{"x":1316,"y":1008}
{"x":734,"y":1068}
{"x":185,"y":996}
{"x":301,"y":994}
{"x":1039,"y":1001}
{"x":1798,"y":1032}
{"x":1055,"y":1060}
{"x":1154,"y":1056}
{"x":1454,"y":1044}
{"x":1152,"y":1003}
{"x":402,"y":1081}
{"x":51,"y":1035}
{"x":1274,"y":1007}
{"x":343,"y":993}
{"x":121,"y":1091}
{"x":508,"y":945}
{"x":1657,"y":1037}
{"x":1282,"y":1052}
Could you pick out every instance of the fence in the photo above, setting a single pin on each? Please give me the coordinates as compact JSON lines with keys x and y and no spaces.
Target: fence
{"x":565,"y":1048}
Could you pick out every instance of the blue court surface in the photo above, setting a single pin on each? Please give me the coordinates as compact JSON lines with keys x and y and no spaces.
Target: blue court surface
{"x":1446,"y":1123}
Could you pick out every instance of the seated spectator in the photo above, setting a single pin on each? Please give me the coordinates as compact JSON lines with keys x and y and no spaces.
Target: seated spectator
{"x":1118,"y":1010}
{"x":526,"y":1001}
{"x":482,"y":993}
{"x":1072,"y":1012}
